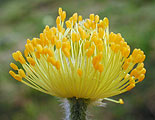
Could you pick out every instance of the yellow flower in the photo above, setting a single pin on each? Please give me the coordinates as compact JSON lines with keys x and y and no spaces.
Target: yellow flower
{"x":82,"y":60}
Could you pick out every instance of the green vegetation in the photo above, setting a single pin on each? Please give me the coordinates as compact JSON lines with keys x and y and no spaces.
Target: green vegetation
{"x":19,"y":20}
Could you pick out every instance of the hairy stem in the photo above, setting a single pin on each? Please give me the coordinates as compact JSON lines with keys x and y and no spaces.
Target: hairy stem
{"x":76,"y":108}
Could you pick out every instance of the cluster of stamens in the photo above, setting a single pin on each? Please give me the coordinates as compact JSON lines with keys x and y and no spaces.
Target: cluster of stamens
{"x":82,"y":60}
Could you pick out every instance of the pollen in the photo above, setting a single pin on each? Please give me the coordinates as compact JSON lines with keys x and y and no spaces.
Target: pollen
{"x":79,"y":58}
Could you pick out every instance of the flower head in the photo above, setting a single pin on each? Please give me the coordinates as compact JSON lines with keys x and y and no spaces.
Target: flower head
{"x":82,"y":60}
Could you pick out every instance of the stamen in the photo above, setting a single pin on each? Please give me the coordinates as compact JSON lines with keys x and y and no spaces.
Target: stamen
{"x":115,"y":101}
{"x":21,"y":73}
{"x":63,"y":16}
{"x":18,"y":77}
{"x":91,"y":17}
{"x":80,"y":18}
{"x":31,"y":61}
{"x":57,"y":64}
{"x":14,"y":66}
{"x":79,"y":71}
{"x":60,"y":11}
{"x":82,"y":60}
{"x":51,"y":60}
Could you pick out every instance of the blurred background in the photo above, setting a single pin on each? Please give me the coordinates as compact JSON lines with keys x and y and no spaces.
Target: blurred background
{"x":22,"y":19}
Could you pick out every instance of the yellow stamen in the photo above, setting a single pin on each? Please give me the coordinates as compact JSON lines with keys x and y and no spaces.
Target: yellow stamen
{"x":58,"y":44}
{"x":21,"y":73}
{"x":96,"y":18}
{"x":87,"y":44}
{"x":66,"y":52}
{"x":51,"y":60}
{"x":80,"y":18}
{"x":50,"y":53}
{"x":63,"y":16}
{"x":39,"y":48}
{"x":100,"y":68}
{"x":141,"y":77}
{"x":15,"y":56}
{"x":59,"y":28}
{"x":60,"y":11}
{"x":73,"y":37}
{"x":31,"y":61}
{"x":37,"y":54}
{"x":90,"y":52}
{"x":57,"y":65}
{"x":14,"y":66}
{"x":79,"y":71}
{"x":75,"y":16}
{"x":12,"y":73}
{"x":68,"y":24}
{"x":58,"y":20}
{"x":18,"y":77}
{"x":121,"y":101}
{"x":131,"y":86}
{"x":91,"y":17}
{"x":82,"y":60}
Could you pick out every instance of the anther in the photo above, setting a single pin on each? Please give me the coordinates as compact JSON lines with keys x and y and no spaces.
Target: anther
{"x":63,"y":17}
{"x":89,"y":52}
{"x":100,"y":47}
{"x":13,"y":66}
{"x":60,"y":11}
{"x":21,"y":73}
{"x":100,"y":68}
{"x":91,"y":17}
{"x":68,"y":24}
{"x":50,"y":52}
{"x":66,"y":52}
{"x":18,"y":77}
{"x":80,"y":18}
{"x":58,"y":44}
{"x":75,"y":16}
{"x":28,"y":41}
{"x":20,"y":57}
{"x":57,"y":65}
{"x":143,"y":71}
{"x":37,"y":54}
{"x":96,"y":18}
{"x":141,"y":77}
{"x":47,"y":28}
{"x":121,"y":101}
{"x":51,"y":60}
{"x":59,"y":27}
{"x":106,"y":21}
{"x":12,"y":73}
{"x":73,"y":37}
{"x":30,"y":46}
{"x":15,"y":56}
{"x":87,"y":44}
{"x":79,"y":71}
{"x":130,"y":87}
{"x":39,"y":48}
{"x":31,"y":61}
{"x":58,"y":20}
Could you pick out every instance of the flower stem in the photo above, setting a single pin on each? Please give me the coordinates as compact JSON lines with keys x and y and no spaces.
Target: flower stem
{"x":77,"y":108}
